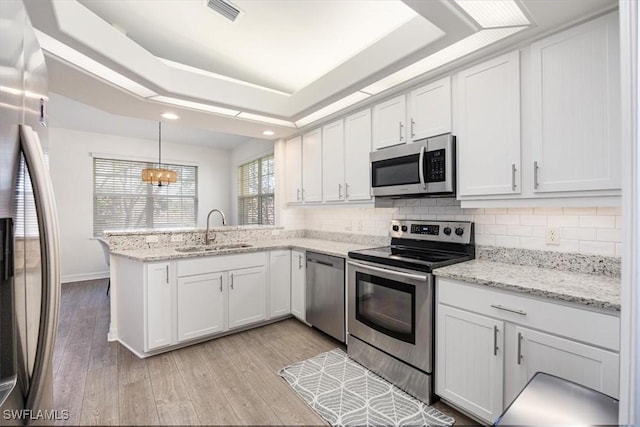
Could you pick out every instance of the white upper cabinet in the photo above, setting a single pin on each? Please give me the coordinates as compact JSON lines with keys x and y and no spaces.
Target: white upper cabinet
{"x":333,"y":161}
{"x":429,"y":110}
{"x":389,"y":123}
{"x":357,"y":146}
{"x":488,"y":131}
{"x":312,"y":166}
{"x":576,"y":108}
{"x":294,"y":170}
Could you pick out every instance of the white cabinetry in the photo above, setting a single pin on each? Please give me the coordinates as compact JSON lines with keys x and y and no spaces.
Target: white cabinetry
{"x":312,"y":166}
{"x":333,"y":162}
{"x":357,"y":146}
{"x":279,"y":283}
{"x":470,"y":357}
{"x":157,"y":306}
{"x":429,"y":110}
{"x":201,"y":307}
{"x":294,"y":170}
{"x":389,"y":123}
{"x":488,"y":131}
{"x":298,"y":284}
{"x":247,"y":296}
{"x":576,"y":108}
{"x":529,"y":335}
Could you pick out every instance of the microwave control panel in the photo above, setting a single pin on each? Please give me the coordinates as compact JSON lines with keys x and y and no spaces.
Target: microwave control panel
{"x":435,"y":163}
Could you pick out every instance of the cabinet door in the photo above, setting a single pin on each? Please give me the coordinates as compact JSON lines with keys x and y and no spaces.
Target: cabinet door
{"x":576,"y":108}
{"x":580,"y":363}
{"x":200,"y":305}
{"x":279,"y":283}
{"x":430,"y":110}
{"x":333,"y":162}
{"x":298,"y":284}
{"x":469,"y":361}
{"x":247,"y":296}
{"x":389,"y":126}
{"x":294,"y":170}
{"x":357,"y":146}
{"x":158,"y":306}
{"x":488,"y":127}
{"x":312,"y":166}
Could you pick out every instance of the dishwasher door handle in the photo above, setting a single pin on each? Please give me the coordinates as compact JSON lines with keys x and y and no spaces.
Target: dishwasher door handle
{"x":317,"y":261}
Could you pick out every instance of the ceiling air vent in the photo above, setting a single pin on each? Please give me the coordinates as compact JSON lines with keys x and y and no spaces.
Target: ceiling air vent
{"x":224,"y":8}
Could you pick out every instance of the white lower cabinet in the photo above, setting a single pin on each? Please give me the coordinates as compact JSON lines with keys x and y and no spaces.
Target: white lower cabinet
{"x":157,"y":301}
{"x":279,"y":283}
{"x":201,"y":308}
{"x":298,"y":284}
{"x":469,"y":361}
{"x":247,"y":296}
{"x":489,"y":344}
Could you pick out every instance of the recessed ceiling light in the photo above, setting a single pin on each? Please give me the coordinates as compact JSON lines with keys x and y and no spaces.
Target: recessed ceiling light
{"x":268,"y":133}
{"x":170,"y":116}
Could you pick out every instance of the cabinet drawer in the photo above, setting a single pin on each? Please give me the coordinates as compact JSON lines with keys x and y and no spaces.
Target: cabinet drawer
{"x":210,"y":264}
{"x":579,"y":324}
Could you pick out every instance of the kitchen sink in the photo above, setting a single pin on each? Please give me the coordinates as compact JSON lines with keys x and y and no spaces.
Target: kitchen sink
{"x":212,"y":248}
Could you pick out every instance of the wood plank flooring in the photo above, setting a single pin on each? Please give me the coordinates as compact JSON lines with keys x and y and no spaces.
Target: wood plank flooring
{"x":228,"y":381}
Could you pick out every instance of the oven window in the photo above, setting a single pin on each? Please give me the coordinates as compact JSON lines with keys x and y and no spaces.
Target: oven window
{"x":397,"y":171}
{"x":386,"y":306}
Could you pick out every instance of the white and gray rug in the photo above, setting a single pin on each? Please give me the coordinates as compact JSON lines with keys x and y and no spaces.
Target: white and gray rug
{"x":346,"y":393}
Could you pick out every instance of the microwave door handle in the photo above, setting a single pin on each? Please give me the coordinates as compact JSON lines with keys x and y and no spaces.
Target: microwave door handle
{"x":421,"y":167}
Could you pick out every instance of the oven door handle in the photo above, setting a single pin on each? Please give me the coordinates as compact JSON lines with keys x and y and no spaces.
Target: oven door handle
{"x":421,"y":166}
{"x":423,"y":278}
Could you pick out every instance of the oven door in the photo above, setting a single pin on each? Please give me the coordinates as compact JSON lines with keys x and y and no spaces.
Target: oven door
{"x":392,"y":310}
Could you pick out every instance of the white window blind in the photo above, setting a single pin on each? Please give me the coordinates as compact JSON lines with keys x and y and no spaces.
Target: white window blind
{"x":122,"y":201}
{"x":26,"y":214}
{"x":256,"y":190}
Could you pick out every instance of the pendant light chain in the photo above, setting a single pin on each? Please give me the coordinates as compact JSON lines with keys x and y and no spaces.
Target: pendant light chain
{"x":158,"y":176}
{"x":159,"y":145}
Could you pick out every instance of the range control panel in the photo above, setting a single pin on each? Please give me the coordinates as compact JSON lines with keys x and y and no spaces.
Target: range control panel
{"x":442,"y":231}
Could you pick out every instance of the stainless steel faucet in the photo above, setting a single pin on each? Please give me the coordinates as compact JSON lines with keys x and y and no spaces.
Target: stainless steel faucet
{"x":206,"y":236}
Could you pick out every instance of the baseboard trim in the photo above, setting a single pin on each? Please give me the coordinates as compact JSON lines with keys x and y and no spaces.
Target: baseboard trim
{"x":82,"y":277}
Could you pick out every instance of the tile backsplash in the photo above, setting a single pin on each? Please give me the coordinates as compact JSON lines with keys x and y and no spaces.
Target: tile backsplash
{"x":582,"y":230}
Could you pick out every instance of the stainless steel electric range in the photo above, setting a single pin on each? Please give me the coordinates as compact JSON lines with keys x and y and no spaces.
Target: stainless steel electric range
{"x":391,"y":301}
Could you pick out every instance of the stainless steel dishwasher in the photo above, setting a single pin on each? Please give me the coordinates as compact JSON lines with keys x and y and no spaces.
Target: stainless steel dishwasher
{"x":325,"y":294}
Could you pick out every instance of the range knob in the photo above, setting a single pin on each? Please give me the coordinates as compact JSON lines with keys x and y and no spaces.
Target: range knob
{"x":447,"y":230}
{"x":404,"y":228}
{"x":395,"y":228}
{"x":459,"y":231}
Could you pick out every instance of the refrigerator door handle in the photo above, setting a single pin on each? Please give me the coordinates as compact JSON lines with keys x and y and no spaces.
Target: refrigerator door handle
{"x":48,"y":226}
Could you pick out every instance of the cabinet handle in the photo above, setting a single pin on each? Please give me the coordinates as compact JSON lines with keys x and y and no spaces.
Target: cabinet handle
{"x":400,"y":129}
{"x":302,"y":194}
{"x":167,"y":272}
{"x":231,"y":277}
{"x":535,"y":174}
{"x":513,"y":177}
{"x":339,"y":191}
{"x":221,"y":284}
{"x":346,"y":190}
{"x":495,"y":340}
{"x":519,"y":347}
{"x":299,"y":261}
{"x":413,"y":135}
{"x":297,"y":194}
{"x":510,"y":310}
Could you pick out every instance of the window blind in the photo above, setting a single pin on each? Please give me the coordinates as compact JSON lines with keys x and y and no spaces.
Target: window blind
{"x":256,"y":190}
{"x":26,"y":214}
{"x":122,"y":201}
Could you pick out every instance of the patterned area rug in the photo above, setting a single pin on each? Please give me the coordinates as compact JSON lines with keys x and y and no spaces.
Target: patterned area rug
{"x":345,"y":393}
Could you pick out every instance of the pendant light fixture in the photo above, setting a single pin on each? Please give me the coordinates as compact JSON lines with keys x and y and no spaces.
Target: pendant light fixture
{"x":159,"y":176}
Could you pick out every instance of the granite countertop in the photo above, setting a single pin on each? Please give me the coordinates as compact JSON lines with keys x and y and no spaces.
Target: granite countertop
{"x":323,"y":246}
{"x":587,"y":289}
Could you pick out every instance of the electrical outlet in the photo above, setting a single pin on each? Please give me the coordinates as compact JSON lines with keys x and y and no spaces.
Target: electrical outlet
{"x":275,"y":232}
{"x":553,"y":236}
{"x":177,"y":237}
{"x":153,"y":238}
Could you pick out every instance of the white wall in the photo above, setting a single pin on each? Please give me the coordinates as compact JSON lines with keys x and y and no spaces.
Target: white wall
{"x":247,"y":151}
{"x":71,"y":167}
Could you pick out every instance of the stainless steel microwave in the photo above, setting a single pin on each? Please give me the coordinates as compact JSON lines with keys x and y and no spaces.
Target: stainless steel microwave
{"x":425,"y":167}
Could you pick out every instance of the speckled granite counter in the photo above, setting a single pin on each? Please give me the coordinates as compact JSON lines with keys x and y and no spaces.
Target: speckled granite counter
{"x":323,"y":246}
{"x":593,"y":290}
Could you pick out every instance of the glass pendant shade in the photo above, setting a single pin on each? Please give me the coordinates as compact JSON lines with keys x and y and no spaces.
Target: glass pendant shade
{"x":159,"y":176}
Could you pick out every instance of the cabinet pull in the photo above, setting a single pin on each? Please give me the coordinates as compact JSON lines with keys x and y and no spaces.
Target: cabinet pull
{"x":339,"y":191}
{"x":297,"y":194}
{"x":535,"y":174}
{"x":167,"y":272}
{"x":413,"y":135}
{"x":231,"y":277}
{"x":510,"y":310}
{"x":302,"y":194}
{"x":495,"y":340}
{"x":513,"y":177}
{"x":299,"y":261}
{"x":221,"y":284}
{"x":346,"y":190}
{"x":519,"y":347}
{"x":400,"y":129}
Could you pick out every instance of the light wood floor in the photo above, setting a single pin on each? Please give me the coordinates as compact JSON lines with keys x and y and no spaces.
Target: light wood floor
{"x":227,"y":381}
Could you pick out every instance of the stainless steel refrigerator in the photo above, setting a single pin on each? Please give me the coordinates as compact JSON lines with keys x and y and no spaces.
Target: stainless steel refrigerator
{"x":29,"y":265}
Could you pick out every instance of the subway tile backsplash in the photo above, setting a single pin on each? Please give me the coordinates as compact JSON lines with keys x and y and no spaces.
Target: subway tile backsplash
{"x":582,"y":230}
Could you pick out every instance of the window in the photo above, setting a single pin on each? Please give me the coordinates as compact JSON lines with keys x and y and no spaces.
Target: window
{"x":122,"y":201}
{"x":256,"y":189}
